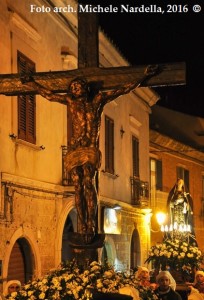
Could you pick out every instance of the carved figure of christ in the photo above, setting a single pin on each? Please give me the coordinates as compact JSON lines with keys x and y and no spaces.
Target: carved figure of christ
{"x":87,"y":90}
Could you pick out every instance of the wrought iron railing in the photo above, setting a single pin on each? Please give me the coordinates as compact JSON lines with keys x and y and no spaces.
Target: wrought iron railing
{"x":139,"y":189}
{"x":139,"y":192}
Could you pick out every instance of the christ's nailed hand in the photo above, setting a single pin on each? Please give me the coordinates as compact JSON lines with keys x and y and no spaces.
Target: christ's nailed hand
{"x":26,"y":79}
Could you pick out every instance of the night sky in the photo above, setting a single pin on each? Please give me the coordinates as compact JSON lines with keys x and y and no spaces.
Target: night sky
{"x":149,"y":38}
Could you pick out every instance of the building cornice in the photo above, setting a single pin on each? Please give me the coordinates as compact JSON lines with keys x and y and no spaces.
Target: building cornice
{"x":162,"y":143}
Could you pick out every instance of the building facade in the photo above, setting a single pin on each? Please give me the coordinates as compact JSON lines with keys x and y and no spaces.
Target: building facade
{"x":37,"y":208}
{"x":171,"y":159}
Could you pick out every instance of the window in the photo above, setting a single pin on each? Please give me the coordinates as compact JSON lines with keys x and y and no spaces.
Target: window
{"x":109,"y":145}
{"x":69,"y":126}
{"x":135,"y":157}
{"x":135,"y":182}
{"x":26,"y":104}
{"x":183,"y":174}
{"x":156,"y":174}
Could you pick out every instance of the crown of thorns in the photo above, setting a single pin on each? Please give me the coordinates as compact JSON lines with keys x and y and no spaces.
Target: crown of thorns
{"x":81,"y":81}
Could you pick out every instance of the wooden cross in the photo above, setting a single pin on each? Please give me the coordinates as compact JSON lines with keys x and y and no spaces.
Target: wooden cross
{"x":88,"y":67}
{"x":103,"y":78}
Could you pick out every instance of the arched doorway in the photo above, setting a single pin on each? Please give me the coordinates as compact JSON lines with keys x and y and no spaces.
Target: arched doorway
{"x":70,"y":226}
{"x":21,"y":262}
{"x":108,"y":253}
{"x":135,"y":251}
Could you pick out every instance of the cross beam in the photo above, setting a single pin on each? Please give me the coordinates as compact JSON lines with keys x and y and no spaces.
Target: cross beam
{"x":106,"y":78}
{"x":103,"y":78}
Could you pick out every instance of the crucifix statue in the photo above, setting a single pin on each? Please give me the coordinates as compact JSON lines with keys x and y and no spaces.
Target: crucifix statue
{"x":87,"y":90}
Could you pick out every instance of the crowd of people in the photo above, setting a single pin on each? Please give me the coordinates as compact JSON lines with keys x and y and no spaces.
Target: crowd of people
{"x":164,"y":287}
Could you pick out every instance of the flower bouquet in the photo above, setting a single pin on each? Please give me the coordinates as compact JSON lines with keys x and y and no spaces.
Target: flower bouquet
{"x":73,"y":282}
{"x":176,"y":255}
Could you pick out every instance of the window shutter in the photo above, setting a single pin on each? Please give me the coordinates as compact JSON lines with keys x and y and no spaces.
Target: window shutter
{"x":30,"y":113}
{"x":179,"y":172}
{"x":109,"y":145}
{"x":69,"y":126}
{"x":159,"y":184}
{"x":135,"y":156}
{"x":186,"y":178}
{"x":22,"y":117}
{"x":26,"y":104}
{"x":183,"y":174}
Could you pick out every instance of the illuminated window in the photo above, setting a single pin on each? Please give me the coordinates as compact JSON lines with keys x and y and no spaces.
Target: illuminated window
{"x":156,"y":174}
{"x":182,"y":173}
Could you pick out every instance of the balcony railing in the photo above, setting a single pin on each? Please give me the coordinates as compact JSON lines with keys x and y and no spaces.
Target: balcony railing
{"x":139,"y":192}
{"x":139,"y":189}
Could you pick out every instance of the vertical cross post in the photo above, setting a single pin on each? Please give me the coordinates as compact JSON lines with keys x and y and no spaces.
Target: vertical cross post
{"x":87,"y":40}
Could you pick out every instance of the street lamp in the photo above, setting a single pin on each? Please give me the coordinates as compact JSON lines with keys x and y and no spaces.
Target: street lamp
{"x":160,"y":217}
{"x":158,"y":220}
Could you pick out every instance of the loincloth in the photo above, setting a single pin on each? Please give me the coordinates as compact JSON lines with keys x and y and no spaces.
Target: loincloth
{"x":81,"y":156}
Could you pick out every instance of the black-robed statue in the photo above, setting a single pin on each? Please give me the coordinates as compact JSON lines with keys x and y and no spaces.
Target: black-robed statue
{"x":180,"y":208}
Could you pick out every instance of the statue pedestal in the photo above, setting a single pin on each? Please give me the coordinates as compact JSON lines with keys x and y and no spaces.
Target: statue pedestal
{"x":85,"y":246}
{"x":110,"y":296}
{"x":178,"y":276}
{"x":183,"y":290}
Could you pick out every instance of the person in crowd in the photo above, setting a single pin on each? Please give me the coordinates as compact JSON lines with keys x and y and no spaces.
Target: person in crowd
{"x":199,"y":281}
{"x":143,"y":276}
{"x":12,"y":286}
{"x":164,"y":291}
{"x":197,"y":287}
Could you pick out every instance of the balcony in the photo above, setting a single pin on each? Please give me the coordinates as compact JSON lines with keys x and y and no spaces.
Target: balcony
{"x":139,"y":192}
{"x":139,"y":189}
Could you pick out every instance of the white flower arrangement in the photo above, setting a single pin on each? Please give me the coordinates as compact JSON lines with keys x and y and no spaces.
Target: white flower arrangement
{"x":176,"y":254}
{"x":71,"y":282}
